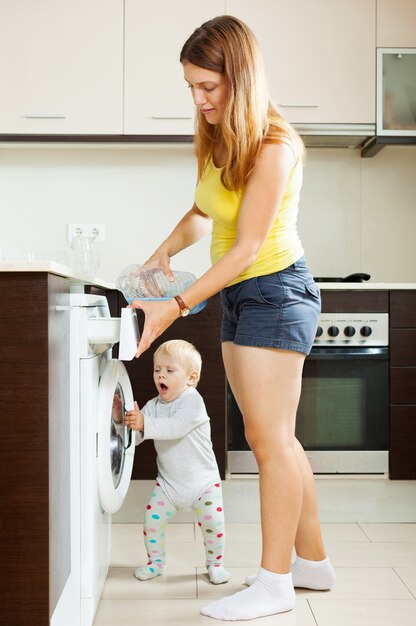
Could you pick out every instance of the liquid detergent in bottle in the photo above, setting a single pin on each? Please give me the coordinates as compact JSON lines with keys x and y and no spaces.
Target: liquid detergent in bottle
{"x":139,"y":283}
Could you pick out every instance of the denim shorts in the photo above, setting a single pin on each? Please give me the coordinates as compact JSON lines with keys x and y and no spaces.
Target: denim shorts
{"x":279,"y":310}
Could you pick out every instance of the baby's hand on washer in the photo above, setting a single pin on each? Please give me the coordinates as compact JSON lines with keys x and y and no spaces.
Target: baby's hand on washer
{"x":134,"y":419}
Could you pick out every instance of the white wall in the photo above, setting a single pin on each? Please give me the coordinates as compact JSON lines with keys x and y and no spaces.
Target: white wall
{"x":355,"y":214}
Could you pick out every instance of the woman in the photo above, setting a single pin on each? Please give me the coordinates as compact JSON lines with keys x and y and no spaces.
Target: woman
{"x":250,"y":175}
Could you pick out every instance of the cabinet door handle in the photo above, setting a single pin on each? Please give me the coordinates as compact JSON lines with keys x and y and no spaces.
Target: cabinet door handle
{"x":171,"y":117}
{"x":303,"y":105}
{"x":32,"y":116}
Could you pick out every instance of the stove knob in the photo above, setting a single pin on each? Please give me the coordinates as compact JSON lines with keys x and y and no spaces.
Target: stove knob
{"x":319,"y":331}
{"x":349,"y":331}
{"x":366,"y":331}
{"x":333,"y":331}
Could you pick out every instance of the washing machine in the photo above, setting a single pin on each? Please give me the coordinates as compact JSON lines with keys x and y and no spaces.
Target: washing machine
{"x":101,"y":393}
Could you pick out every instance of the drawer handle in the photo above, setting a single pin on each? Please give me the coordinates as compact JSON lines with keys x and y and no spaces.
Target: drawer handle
{"x":304,"y":105}
{"x":171,"y":117}
{"x":44,"y":117}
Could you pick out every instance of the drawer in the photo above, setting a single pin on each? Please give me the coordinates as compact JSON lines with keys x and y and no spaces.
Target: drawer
{"x":403,"y":346}
{"x":402,"y":456}
{"x":355,"y":301}
{"x":403,"y":309}
{"x":403,"y":385}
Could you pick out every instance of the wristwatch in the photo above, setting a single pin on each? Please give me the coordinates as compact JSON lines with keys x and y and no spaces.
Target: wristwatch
{"x":184,"y":310}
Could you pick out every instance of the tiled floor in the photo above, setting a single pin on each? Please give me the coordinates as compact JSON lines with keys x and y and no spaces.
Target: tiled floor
{"x":375,"y":565}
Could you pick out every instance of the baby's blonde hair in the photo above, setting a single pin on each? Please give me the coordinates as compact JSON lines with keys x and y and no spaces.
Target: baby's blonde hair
{"x":184,"y":352}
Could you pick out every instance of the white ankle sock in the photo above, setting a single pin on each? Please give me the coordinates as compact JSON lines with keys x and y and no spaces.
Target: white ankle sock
{"x":270,"y":593}
{"x":151,"y":570}
{"x":319,"y":575}
{"x":218,"y":574}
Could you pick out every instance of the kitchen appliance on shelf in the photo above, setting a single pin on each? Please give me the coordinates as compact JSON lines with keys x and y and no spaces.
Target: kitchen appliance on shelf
{"x":358,"y":277}
{"x":101,"y":447}
{"x":342,"y":418}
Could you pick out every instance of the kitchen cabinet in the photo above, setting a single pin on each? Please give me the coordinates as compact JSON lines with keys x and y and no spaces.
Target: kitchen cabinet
{"x":157,"y":100}
{"x":35,"y":452}
{"x":396,"y":21}
{"x":403,"y":384}
{"x":61,"y":67}
{"x":319,"y":56}
{"x":203,"y":330}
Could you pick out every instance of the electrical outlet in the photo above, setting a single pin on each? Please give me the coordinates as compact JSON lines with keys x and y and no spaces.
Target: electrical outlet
{"x":93,"y":231}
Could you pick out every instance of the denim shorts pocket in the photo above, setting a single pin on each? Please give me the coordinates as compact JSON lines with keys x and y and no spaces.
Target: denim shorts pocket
{"x":270,"y":289}
{"x":313,"y":289}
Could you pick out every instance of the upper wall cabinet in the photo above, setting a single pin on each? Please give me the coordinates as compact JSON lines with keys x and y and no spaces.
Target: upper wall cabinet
{"x":396,"y":23}
{"x":61,"y":67}
{"x":157,"y":101}
{"x":319,"y":56}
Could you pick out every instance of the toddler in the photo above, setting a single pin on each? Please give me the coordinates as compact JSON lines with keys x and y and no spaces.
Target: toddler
{"x":188,"y":476}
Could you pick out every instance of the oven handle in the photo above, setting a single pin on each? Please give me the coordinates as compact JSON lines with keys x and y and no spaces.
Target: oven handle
{"x":339,"y":353}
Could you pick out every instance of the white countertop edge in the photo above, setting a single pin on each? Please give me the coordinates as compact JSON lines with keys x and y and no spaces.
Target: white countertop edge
{"x":51,"y":267}
{"x":365,"y":286}
{"x":77,"y":277}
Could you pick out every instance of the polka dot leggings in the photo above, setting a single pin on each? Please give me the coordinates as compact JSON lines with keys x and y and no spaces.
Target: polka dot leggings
{"x":210,"y":517}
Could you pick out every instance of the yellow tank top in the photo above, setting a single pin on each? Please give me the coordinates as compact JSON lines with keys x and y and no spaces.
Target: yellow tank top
{"x":282,"y":246}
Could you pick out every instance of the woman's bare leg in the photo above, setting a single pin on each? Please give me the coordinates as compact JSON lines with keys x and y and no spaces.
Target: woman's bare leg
{"x":308,"y":543}
{"x":267,"y":383}
{"x":308,"y":540}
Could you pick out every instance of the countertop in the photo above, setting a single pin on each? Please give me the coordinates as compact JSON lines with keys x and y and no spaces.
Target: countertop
{"x":366,"y":286}
{"x":76,"y":277}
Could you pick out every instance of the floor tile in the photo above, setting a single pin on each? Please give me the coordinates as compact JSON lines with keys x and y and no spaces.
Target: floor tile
{"x":243,"y":554}
{"x":364,"y":612}
{"x":355,"y":554}
{"x":352,"y":582}
{"x":366,"y":583}
{"x":178,"y":553}
{"x":390,"y":532}
{"x":175,"y":583}
{"x":205,"y":589}
{"x":240,"y":532}
{"x":180,"y":613}
{"x":330,"y":532}
{"x":343,"y":532}
{"x":134,"y":532}
{"x":408,"y":576}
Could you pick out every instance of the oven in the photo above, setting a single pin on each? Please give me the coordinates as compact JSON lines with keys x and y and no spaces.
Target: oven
{"x":342,"y":419}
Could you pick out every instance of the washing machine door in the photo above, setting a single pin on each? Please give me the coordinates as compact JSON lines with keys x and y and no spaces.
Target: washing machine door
{"x":115,"y":441}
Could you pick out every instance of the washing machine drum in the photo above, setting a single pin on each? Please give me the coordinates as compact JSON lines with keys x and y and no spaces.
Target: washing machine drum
{"x":115,"y":442}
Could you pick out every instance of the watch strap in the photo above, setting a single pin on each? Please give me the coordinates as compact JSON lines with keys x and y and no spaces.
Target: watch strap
{"x":184,"y":309}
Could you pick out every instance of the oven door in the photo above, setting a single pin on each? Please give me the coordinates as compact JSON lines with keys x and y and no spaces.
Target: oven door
{"x":342,"y":419}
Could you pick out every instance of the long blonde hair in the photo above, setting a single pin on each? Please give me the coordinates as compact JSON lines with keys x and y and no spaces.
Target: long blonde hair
{"x":226,"y":45}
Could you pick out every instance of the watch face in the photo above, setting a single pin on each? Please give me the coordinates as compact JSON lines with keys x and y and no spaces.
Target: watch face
{"x":185,"y":312}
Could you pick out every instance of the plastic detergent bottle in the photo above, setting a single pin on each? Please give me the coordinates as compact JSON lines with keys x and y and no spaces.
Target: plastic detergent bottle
{"x":139,"y":283}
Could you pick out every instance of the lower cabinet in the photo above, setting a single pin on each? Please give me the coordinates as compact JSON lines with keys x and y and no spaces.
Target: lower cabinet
{"x":403,"y":385}
{"x":203,"y":330}
{"x":35,"y":495}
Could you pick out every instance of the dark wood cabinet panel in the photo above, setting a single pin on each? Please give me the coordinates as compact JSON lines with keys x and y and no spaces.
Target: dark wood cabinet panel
{"x":34,"y":375}
{"x":355,"y":301}
{"x":402,"y":442}
{"x":403,"y":386}
{"x":403,"y":309}
{"x":403,"y":346}
{"x":202,"y":330}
